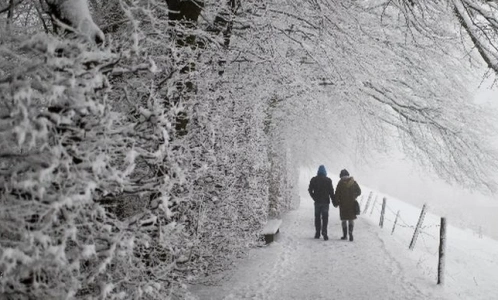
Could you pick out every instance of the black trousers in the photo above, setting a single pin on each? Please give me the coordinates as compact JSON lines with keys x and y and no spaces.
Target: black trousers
{"x":321,"y":218}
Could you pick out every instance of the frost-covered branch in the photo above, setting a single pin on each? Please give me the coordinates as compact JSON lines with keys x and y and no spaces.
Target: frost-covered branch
{"x":479,"y":19}
{"x":481,"y":25}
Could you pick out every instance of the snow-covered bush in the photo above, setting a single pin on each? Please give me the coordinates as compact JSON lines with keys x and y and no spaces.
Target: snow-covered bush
{"x":126,"y":171}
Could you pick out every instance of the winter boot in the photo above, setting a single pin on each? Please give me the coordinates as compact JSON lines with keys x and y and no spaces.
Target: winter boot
{"x":351,"y":226}
{"x":325,"y":238}
{"x":317,"y":235}
{"x":344,"y":231}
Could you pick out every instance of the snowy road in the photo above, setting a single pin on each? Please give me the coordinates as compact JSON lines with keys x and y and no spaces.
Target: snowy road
{"x":297,"y":266}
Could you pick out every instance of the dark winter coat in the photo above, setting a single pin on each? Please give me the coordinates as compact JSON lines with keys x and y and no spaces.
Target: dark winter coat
{"x":346,"y":192}
{"x":321,"y":189}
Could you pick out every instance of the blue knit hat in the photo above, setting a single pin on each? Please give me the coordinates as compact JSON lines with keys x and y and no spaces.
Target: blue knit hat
{"x":321,"y":170}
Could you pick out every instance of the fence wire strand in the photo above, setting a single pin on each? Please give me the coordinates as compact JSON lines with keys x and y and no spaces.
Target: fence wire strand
{"x":402,"y":223}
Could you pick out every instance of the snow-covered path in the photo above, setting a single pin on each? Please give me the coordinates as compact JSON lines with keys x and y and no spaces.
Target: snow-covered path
{"x":297,"y":266}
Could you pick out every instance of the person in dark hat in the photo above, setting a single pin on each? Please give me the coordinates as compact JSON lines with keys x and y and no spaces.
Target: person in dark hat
{"x":321,"y":191}
{"x":345,"y":195}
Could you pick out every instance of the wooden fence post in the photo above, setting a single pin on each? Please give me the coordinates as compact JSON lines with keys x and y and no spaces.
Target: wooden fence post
{"x":442,"y":250}
{"x":417,"y":229}
{"x":373,"y":206}
{"x":381,"y":222}
{"x":395,"y":221}
{"x":368,"y":202}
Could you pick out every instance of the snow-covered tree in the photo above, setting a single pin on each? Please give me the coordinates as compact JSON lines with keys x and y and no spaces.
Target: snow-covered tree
{"x":478,"y":20}
{"x":131,"y":166}
{"x":360,"y":77}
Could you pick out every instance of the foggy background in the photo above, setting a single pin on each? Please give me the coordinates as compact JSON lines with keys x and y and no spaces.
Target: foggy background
{"x":400,"y":178}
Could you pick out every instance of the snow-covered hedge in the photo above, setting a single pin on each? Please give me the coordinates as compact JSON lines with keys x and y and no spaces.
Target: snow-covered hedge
{"x":123,"y":176}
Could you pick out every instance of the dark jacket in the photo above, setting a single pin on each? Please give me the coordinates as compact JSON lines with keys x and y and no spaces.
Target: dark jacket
{"x":321,"y":189}
{"x":346,"y":192}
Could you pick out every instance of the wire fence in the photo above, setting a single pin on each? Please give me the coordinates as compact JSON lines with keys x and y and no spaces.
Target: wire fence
{"x":424,"y":233}
{"x":471,"y":260}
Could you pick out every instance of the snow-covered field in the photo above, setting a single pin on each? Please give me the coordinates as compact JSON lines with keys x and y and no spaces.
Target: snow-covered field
{"x":377,"y":265}
{"x":471,"y":270}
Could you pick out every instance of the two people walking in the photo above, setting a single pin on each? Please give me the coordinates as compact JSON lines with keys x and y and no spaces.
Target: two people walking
{"x":321,"y":191}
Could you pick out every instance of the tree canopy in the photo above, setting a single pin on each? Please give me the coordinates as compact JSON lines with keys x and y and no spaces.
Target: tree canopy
{"x":145,"y":143}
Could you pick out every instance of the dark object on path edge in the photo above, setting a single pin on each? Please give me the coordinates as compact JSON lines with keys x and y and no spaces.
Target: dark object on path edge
{"x":271,"y":228}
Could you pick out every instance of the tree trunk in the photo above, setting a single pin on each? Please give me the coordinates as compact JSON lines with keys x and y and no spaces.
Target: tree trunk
{"x":185,"y":13}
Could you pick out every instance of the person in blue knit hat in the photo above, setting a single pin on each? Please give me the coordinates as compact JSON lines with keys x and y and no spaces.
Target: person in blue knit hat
{"x":321,"y":191}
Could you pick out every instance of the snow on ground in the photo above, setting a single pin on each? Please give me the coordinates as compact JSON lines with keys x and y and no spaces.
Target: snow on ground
{"x":377,"y":265}
{"x":471,"y":270}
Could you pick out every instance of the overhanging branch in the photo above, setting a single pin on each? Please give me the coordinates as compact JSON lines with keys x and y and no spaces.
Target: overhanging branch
{"x":466,"y":22}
